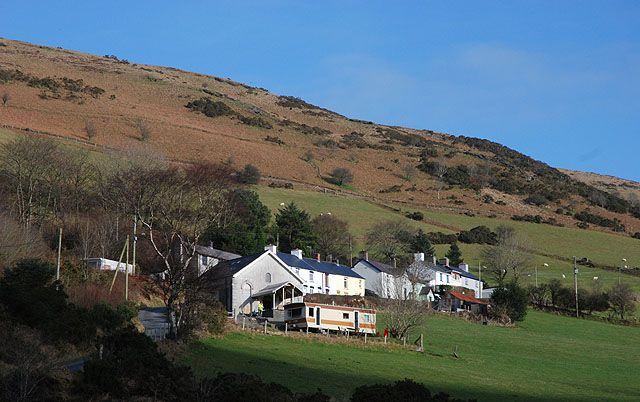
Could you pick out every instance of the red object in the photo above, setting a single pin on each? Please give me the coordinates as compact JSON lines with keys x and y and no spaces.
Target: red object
{"x":386,"y":332}
{"x":467,"y":298}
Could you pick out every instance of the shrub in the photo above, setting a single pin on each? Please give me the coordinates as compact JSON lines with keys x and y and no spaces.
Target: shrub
{"x":416,"y":216}
{"x":441,"y":238}
{"x":255,"y":122}
{"x":143,"y":129}
{"x":5,"y":98}
{"x":250,"y":174}
{"x":636,"y":235}
{"x":393,"y":189}
{"x":588,"y":217}
{"x":293,"y":102}
{"x":536,"y":199}
{"x":328,"y":143}
{"x":478,"y":235}
{"x":510,"y":301}
{"x":341,"y":175}
{"x":274,"y":139}
{"x":405,"y":390}
{"x":209,"y":107}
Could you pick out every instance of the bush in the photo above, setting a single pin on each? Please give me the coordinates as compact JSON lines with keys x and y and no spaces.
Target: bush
{"x":405,"y":390}
{"x":416,"y":216}
{"x":510,"y":301}
{"x":255,"y":122}
{"x":249,"y":175}
{"x":441,"y":238}
{"x":341,"y":175}
{"x":478,"y":235}
{"x":588,"y":217}
{"x":536,"y":199}
{"x":209,"y":107}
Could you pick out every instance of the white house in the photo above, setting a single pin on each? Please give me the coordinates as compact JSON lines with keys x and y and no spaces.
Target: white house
{"x":382,"y":279}
{"x":104,"y":264}
{"x":240,"y":284}
{"x":323,"y":276}
{"x":444,"y":275}
{"x":275,"y":278}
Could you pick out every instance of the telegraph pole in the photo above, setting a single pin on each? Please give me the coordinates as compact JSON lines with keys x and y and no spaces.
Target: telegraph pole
{"x":135,"y":240}
{"x":575,"y":284}
{"x":126,"y":273}
{"x":59,"y":254}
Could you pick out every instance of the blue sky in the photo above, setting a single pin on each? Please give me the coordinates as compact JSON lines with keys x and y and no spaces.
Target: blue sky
{"x":556,"y":80}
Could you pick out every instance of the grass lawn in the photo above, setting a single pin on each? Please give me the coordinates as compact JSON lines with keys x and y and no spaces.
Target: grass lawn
{"x":547,"y":357}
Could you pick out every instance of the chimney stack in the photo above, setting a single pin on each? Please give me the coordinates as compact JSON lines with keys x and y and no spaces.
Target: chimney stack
{"x":464,"y":267}
{"x":434,"y":260}
{"x":297,"y":252}
{"x":418,"y":257}
{"x":271,"y":248}
{"x":318,"y":257}
{"x":444,"y":261}
{"x":364,"y":255}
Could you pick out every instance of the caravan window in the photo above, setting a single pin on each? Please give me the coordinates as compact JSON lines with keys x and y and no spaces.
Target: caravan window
{"x":311,"y":311}
{"x":345,"y":316}
{"x":295,"y":312}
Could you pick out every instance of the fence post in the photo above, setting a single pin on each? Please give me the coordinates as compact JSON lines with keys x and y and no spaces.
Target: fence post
{"x":243,"y":319}
{"x":365,"y":338}
{"x":385,"y":340}
{"x":404,"y":341}
{"x":286,"y":328}
{"x":265,"y":326}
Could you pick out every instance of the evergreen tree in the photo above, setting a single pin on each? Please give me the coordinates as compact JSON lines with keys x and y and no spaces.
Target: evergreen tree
{"x":294,"y":228}
{"x":248,"y":229}
{"x":421,"y":244}
{"x":454,"y":255}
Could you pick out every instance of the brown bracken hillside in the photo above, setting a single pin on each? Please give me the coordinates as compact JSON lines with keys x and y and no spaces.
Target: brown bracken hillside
{"x":104,"y":103}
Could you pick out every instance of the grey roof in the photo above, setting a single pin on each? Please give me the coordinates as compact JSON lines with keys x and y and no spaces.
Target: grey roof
{"x":214,"y":252}
{"x":380,"y":266}
{"x":267,"y":290}
{"x":315,"y":265}
{"x":464,"y":273}
{"x":231,"y":267}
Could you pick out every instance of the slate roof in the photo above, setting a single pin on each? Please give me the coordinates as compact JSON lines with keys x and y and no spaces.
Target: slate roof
{"x":319,"y":266}
{"x":464,"y":273}
{"x":380,"y":266}
{"x":231,"y":267}
{"x":214,"y":252}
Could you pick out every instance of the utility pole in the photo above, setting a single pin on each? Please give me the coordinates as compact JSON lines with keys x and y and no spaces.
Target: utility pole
{"x":59,"y":254}
{"x":126,"y":274}
{"x":135,"y":240}
{"x":575,"y":284}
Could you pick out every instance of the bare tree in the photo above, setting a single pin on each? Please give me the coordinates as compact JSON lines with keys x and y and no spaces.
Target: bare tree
{"x":143,"y":129}
{"x":18,"y":242}
{"x":403,"y":314}
{"x":440,"y":171}
{"x":342,"y":175}
{"x":417,"y":274}
{"x":409,"y":172}
{"x":6,"y":97}
{"x":90,"y":129}
{"x":508,"y":255}
{"x":622,"y":300}
{"x":332,"y":236}
{"x":175,"y":207}
{"x":389,"y":240}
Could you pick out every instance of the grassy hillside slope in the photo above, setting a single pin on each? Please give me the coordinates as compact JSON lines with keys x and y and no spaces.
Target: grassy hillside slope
{"x":554,"y":245}
{"x":546,"y":358}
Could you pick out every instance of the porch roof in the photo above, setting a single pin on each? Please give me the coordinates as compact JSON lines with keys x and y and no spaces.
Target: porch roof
{"x":271,"y":289}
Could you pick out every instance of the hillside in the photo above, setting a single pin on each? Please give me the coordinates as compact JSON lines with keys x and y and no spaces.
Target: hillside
{"x":104,"y":103}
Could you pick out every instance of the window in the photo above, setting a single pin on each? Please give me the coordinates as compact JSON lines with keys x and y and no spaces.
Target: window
{"x":311,"y":311}
{"x":365,"y":317}
{"x":345,"y":316}
{"x":447,"y":278}
{"x":306,"y":289}
{"x":311,"y":276}
{"x":267,"y":277}
{"x":345,"y":282}
{"x":441,"y":277}
{"x":466,"y":281}
{"x":312,"y":289}
{"x":204,"y":260}
{"x":360,"y":283}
